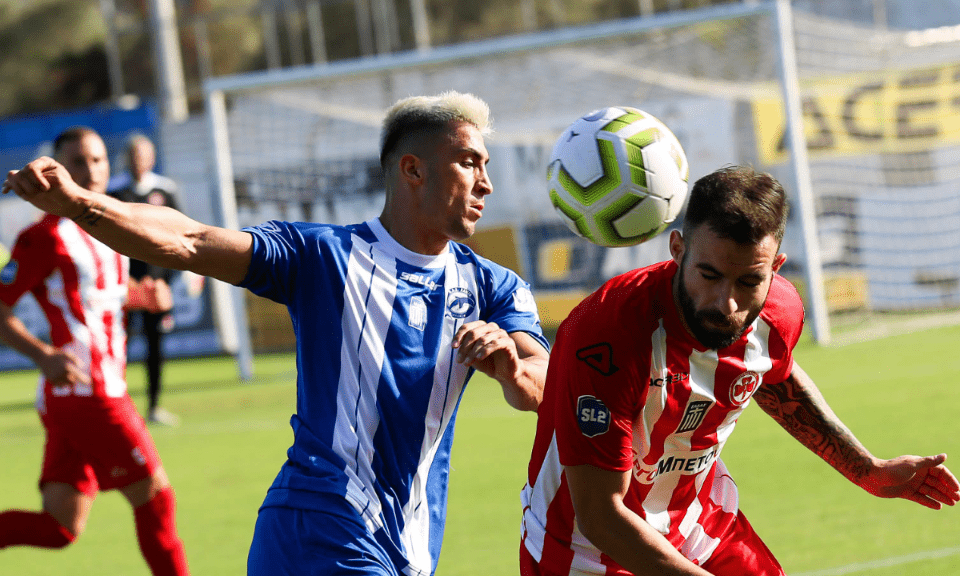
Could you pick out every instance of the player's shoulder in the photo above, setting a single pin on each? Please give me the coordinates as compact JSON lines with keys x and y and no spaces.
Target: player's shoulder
{"x":36,"y":243}
{"x":638,"y":287}
{"x":286,"y":227}
{"x":466,"y":254}
{"x":43,"y":228}
{"x":783,"y":310}
{"x":643,"y":279}
{"x":310,"y":237}
{"x":493,"y":278}
{"x":628,"y":302}
{"x":783,"y":301}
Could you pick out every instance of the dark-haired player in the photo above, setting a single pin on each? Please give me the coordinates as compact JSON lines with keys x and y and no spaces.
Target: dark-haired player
{"x":647,"y":378}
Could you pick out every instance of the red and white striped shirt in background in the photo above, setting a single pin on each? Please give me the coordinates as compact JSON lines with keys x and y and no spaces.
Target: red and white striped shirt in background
{"x":81,"y":286}
{"x":629,"y":388}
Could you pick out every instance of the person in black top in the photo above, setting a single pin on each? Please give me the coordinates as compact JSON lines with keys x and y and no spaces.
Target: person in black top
{"x":146,"y":186}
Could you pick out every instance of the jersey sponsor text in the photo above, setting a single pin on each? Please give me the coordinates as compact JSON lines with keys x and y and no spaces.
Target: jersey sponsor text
{"x":687,"y":463}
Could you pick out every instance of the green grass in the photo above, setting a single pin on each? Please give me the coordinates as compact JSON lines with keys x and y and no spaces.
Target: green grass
{"x":898,"y":395}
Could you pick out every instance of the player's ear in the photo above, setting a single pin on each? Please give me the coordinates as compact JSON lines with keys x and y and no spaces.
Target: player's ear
{"x":677,"y":246}
{"x":411,"y":169}
{"x":778,"y":261}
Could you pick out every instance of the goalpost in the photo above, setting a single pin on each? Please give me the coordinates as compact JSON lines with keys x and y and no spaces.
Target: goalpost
{"x":850,"y":119}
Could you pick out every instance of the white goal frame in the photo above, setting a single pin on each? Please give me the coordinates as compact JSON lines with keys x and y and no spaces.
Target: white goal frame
{"x":229,"y":302}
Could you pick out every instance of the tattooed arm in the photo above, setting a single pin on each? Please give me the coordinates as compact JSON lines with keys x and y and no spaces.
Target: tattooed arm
{"x":797,"y":405}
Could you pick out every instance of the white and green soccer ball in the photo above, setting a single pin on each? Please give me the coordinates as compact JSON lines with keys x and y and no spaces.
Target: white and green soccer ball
{"x":618,"y":176}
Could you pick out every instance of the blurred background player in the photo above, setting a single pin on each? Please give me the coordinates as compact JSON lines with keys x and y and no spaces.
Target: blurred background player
{"x":392,"y":317}
{"x":647,"y":378}
{"x":95,"y":439}
{"x":142,"y":184}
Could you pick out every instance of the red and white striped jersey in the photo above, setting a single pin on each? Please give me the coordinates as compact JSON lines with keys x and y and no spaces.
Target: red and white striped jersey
{"x":628,"y":388}
{"x":81,"y":286}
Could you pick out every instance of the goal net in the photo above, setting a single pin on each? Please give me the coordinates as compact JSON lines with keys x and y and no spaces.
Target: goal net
{"x":879,"y":114}
{"x":882,"y":117}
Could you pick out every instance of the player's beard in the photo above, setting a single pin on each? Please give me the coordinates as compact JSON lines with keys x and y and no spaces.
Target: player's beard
{"x":714,"y":339}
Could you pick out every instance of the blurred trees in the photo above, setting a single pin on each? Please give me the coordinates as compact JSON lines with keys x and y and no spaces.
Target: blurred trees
{"x":54,"y":55}
{"x":48,"y":61}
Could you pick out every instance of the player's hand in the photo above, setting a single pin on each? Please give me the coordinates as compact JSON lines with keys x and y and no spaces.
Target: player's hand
{"x":925,"y":481}
{"x":61,"y":367}
{"x":488,"y":348}
{"x":152,"y":295}
{"x":162,"y":297}
{"x":46,"y":184}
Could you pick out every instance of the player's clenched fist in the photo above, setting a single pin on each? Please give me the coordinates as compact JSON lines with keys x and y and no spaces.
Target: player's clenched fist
{"x":46,"y":184}
{"x":488,"y":348}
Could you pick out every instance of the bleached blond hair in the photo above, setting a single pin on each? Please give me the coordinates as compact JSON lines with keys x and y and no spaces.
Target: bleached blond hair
{"x":431,"y":113}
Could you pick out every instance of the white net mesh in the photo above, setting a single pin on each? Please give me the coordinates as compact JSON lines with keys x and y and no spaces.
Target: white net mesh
{"x":882,"y":121}
{"x":882,"y":125}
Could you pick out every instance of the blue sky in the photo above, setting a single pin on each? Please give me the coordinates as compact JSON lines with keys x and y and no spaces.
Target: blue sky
{"x":901,"y":14}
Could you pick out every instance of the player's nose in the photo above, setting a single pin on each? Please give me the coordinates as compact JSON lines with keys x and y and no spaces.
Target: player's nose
{"x":725,"y":300}
{"x":484,"y":184}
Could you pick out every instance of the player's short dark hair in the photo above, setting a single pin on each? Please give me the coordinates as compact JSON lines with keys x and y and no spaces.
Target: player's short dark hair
{"x":410,"y":129}
{"x":738,"y":203}
{"x":71,"y":134}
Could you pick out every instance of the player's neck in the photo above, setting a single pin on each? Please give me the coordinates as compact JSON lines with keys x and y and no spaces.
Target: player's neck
{"x":411,"y":235}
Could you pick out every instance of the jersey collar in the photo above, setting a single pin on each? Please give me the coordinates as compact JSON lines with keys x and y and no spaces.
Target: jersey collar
{"x":395,"y":249}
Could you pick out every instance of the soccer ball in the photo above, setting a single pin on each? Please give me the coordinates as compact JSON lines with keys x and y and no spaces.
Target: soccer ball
{"x":617,"y":176}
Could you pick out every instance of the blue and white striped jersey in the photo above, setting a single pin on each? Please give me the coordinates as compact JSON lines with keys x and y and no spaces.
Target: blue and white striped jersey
{"x":378,"y":385}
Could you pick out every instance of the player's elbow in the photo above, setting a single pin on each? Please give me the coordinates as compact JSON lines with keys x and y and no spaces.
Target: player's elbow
{"x":525,"y":399}
{"x":216,"y":252}
{"x":594,"y":527}
{"x":529,"y":387}
{"x":597,"y":515}
{"x":192,"y":248}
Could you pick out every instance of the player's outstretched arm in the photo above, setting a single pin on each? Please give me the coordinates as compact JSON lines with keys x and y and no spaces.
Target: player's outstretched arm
{"x":616,"y":530}
{"x":515,"y":360}
{"x":797,"y":405}
{"x":154,"y":234}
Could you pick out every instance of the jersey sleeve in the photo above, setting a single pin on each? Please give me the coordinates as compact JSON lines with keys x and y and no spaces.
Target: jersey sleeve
{"x":596,"y":386}
{"x":277,"y":251}
{"x":31,"y":261}
{"x":785,"y":314}
{"x":511,"y":304}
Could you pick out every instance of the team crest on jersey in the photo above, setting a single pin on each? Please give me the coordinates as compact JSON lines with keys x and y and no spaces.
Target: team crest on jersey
{"x":9,"y":272}
{"x":593,"y":416}
{"x":460,"y":302}
{"x":693,"y":417}
{"x":418,"y":313}
{"x":743,"y":387}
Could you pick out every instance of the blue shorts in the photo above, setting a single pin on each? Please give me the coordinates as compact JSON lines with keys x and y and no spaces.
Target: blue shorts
{"x":294,"y":542}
